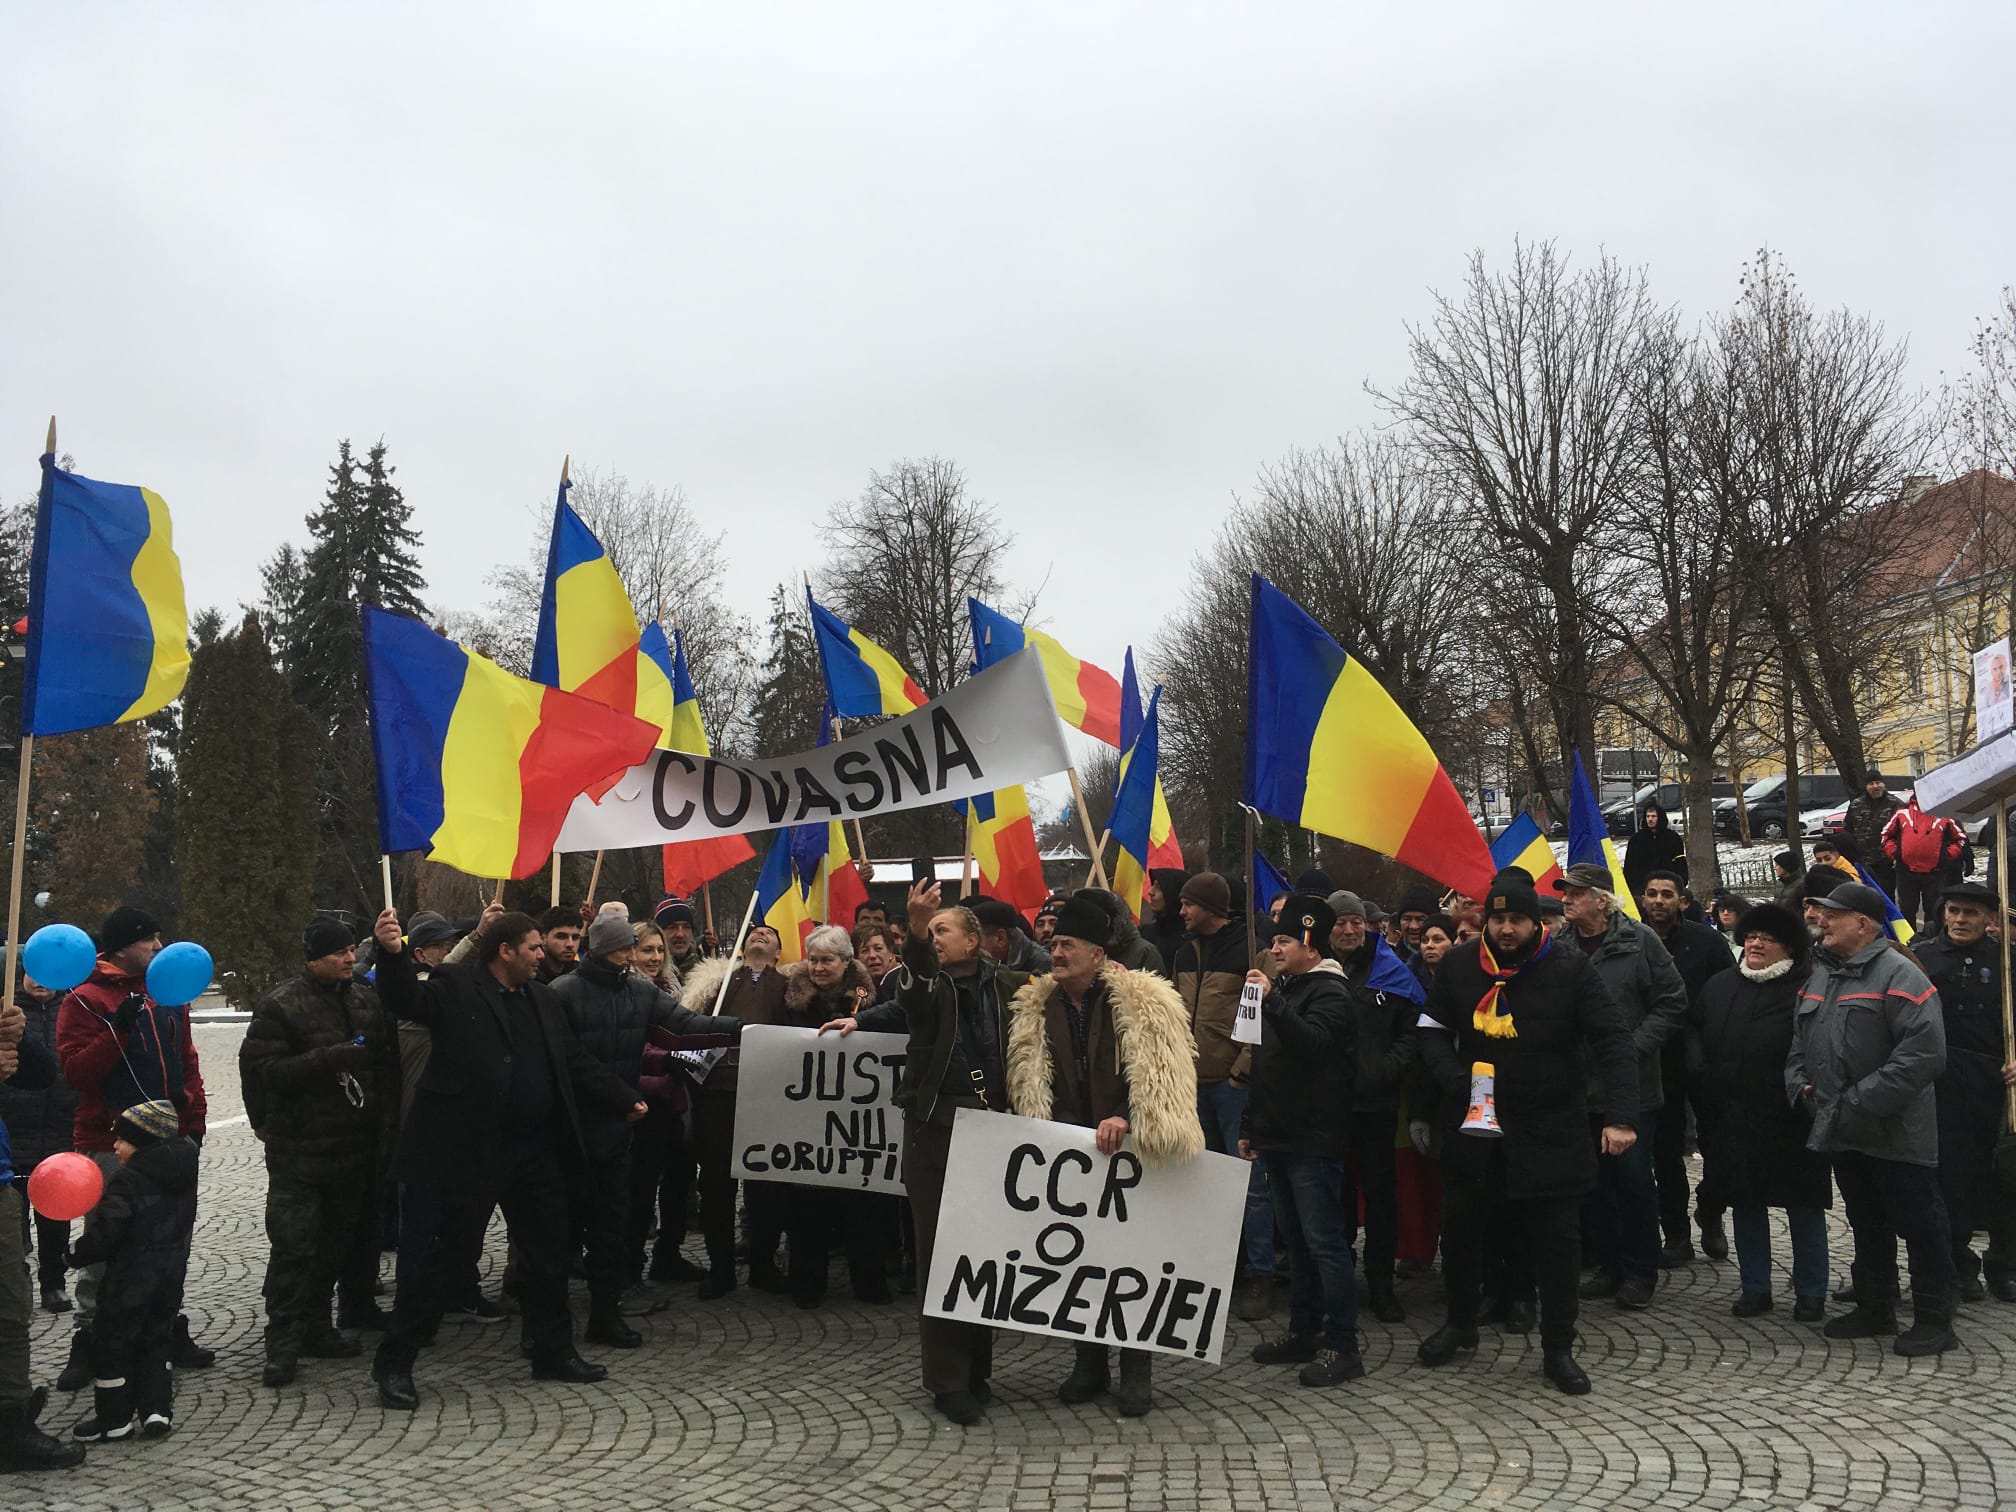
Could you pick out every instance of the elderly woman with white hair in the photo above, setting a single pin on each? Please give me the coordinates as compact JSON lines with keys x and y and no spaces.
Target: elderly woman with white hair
{"x":830,"y":984}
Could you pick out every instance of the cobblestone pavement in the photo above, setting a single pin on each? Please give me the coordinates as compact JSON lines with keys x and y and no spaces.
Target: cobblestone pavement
{"x":750,"y":1403}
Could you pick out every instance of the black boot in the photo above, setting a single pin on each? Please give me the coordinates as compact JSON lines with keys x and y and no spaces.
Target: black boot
{"x":23,"y":1444}
{"x":606,"y":1326}
{"x":1137,"y":1383}
{"x":282,"y":1365}
{"x":1559,"y":1367}
{"x":1443,"y":1345}
{"x":1380,"y":1299}
{"x":1714,"y":1242}
{"x":1088,"y":1376}
{"x":568,"y":1367}
{"x":111,"y":1417}
{"x":1867,"y":1321}
{"x":1968,"y":1264}
{"x":185,"y":1353}
{"x":1931,"y":1330}
{"x":77,"y":1374}
{"x":395,"y":1387}
{"x":719,"y":1283}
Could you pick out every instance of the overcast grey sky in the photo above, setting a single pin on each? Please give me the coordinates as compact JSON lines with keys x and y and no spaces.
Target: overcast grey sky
{"x":1111,"y":258}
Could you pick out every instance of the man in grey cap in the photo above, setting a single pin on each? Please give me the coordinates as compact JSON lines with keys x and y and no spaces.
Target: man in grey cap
{"x":1622,"y":1213}
{"x":1868,"y":1043}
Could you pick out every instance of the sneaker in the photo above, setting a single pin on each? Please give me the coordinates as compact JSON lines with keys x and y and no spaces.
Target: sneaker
{"x":641,"y":1300}
{"x":156,"y":1425}
{"x":56,"y":1300}
{"x":1289,"y":1349}
{"x":482,"y":1310}
{"x":1332,"y":1367}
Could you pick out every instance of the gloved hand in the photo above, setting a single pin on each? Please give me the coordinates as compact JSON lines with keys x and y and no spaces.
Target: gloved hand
{"x":1419,"y":1135}
{"x":127,"y":1014}
{"x":348,"y":1056}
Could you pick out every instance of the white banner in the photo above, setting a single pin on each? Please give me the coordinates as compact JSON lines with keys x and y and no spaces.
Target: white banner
{"x":1040,"y":1232}
{"x":819,"y":1110}
{"x":995,"y":730}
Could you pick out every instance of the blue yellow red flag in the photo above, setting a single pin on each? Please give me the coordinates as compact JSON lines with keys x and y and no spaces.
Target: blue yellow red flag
{"x":1002,"y":837}
{"x":780,"y":901}
{"x":1328,"y":749}
{"x":477,"y":767}
{"x":588,"y":638}
{"x":862,"y":680}
{"x":1589,"y":837}
{"x":1087,"y":697}
{"x":690,"y":864}
{"x":1163,"y":847}
{"x":655,"y":674}
{"x":1134,"y":811}
{"x":1899,"y":927}
{"x":108,"y":627}
{"x":1268,"y":883}
{"x":1521,"y":844}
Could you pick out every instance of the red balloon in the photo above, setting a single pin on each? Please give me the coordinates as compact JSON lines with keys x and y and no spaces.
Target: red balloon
{"x":65,"y":1187}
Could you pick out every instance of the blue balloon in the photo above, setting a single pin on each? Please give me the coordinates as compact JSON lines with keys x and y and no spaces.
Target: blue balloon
{"x":179,"y":974}
{"x":59,"y":956}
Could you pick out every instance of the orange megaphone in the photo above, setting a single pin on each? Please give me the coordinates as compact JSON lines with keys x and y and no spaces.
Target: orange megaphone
{"x":1482,"y":1119}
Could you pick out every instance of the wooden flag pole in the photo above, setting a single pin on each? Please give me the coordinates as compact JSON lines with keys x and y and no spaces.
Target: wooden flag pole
{"x":20,"y":865}
{"x":554,"y":901}
{"x":1085,"y":820}
{"x":498,"y":901}
{"x":2002,"y":942}
{"x":594,"y":879}
{"x":385,"y":874}
{"x":1252,"y":923}
{"x":707,"y":906}
{"x":740,"y":935}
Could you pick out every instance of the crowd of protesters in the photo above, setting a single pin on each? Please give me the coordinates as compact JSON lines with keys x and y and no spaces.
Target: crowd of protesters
{"x":1513,"y":1082}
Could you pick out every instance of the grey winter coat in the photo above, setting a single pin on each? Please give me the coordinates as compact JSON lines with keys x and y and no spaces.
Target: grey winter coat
{"x":1641,"y":976}
{"x":1869,"y":1037}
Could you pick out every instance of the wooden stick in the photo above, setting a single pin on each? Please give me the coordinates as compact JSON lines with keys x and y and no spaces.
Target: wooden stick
{"x":1085,"y":819}
{"x":594,"y":879}
{"x":1099,"y":856}
{"x":1252,"y":923}
{"x":2002,"y":935}
{"x":860,"y":840}
{"x":707,"y":904}
{"x":555,"y":900}
{"x":20,"y":847}
{"x":740,"y":935}
{"x":499,"y":899}
{"x":385,"y":872}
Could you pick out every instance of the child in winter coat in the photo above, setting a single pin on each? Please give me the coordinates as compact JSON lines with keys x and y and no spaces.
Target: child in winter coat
{"x":140,"y":1232}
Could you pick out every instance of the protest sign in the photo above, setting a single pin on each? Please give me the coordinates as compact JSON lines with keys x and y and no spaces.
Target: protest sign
{"x":997,"y":729}
{"x":818,"y":1110}
{"x":1994,"y":710}
{"x":1040,"y":1232}
{"x":1246,"y":1026}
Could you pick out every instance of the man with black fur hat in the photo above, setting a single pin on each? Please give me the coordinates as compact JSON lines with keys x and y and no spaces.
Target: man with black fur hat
{"x":1529,"y":1010}
{"x":1965,"y":964}
{"x":1298,"y":1121}
{"x":1110,"y":1050}
{"x":1868,"y":1046}
{"x":120,"y":1047}
{"x":320,"y":1072}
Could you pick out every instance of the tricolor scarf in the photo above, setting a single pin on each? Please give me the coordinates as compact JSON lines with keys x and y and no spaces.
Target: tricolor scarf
{"x":1494,"y":1023}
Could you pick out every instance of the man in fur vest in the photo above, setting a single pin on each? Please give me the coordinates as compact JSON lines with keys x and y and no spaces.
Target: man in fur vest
{"x":1108,"y":1049}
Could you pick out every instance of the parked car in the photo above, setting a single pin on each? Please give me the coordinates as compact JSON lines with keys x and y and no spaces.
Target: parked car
{"x":1764,"y":800}
{"x":1621,"y":817}
{"x":1834,"y":821}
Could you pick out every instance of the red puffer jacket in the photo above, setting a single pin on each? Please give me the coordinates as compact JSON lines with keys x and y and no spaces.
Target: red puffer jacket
{"x":1919,"y":842}
{"x":113,"y":1070}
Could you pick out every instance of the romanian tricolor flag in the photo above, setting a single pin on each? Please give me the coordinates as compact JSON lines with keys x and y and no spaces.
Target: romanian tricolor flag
{"x":1898,"y":926}
{"x":477,"y":767}
{"x":1328,"y":749}
{"x":588,"y":640}
{"x":1134,"y":812}
{"x":862,"y":680}
{"x":780,"y":902}
{"x":1268,"y":883}
{"x":108,"y":629}
{"x":1163,"y":849}
{"x":1523,"y":845}
{"x":1002,"y":837}
{"x":1589,"y":837}
{"x":690,"y":864}
{"x":655,"y":671}
{"x":832,"y":884}
{"x":1087,"y":698}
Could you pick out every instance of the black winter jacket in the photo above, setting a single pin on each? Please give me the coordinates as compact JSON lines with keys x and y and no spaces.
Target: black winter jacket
{"x":291,"y":1066}
{"x":612,"y":1014}
{"x":454,"y":1134}
{"x":1384,"y":1039}
{"x":140,"y":1232}
{"x":38,"y":1122}
{"x":1567,"y":1024}
{"x":927,"y":1006}
{"x":1753,"y":1142}
{"x":1299,"y":1096}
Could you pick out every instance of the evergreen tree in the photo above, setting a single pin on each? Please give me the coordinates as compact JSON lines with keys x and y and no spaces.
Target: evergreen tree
{"x":792,"y":690}
{"x":89,"y":810}
{"x":363,"y":551}
{"x":245,"y":837}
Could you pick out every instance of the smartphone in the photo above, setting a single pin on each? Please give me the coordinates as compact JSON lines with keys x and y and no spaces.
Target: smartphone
{"x":923,"y":869}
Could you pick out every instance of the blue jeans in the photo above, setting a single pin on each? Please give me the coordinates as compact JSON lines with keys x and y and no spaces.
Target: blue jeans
{"x":1309,"y":1191}
{"x":1221,"y":1108}
{"x":1625,"y":1206}
{"x":1751,"y":1228}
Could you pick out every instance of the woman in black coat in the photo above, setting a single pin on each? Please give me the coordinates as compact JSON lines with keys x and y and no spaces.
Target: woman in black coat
{"x":1652,"y":847}
{"x":1753,"y":1143}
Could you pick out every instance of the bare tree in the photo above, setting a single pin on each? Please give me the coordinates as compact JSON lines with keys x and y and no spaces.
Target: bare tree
{"x":1835,"y":432}
{"x":670,"y":565}
{"x":902,"y":558}
{"x":1521,"y":396}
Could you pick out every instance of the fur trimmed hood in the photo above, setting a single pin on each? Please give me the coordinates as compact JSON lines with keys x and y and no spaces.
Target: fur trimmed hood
{"x":699,"y":987}
{"x":1157,"y":1055}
